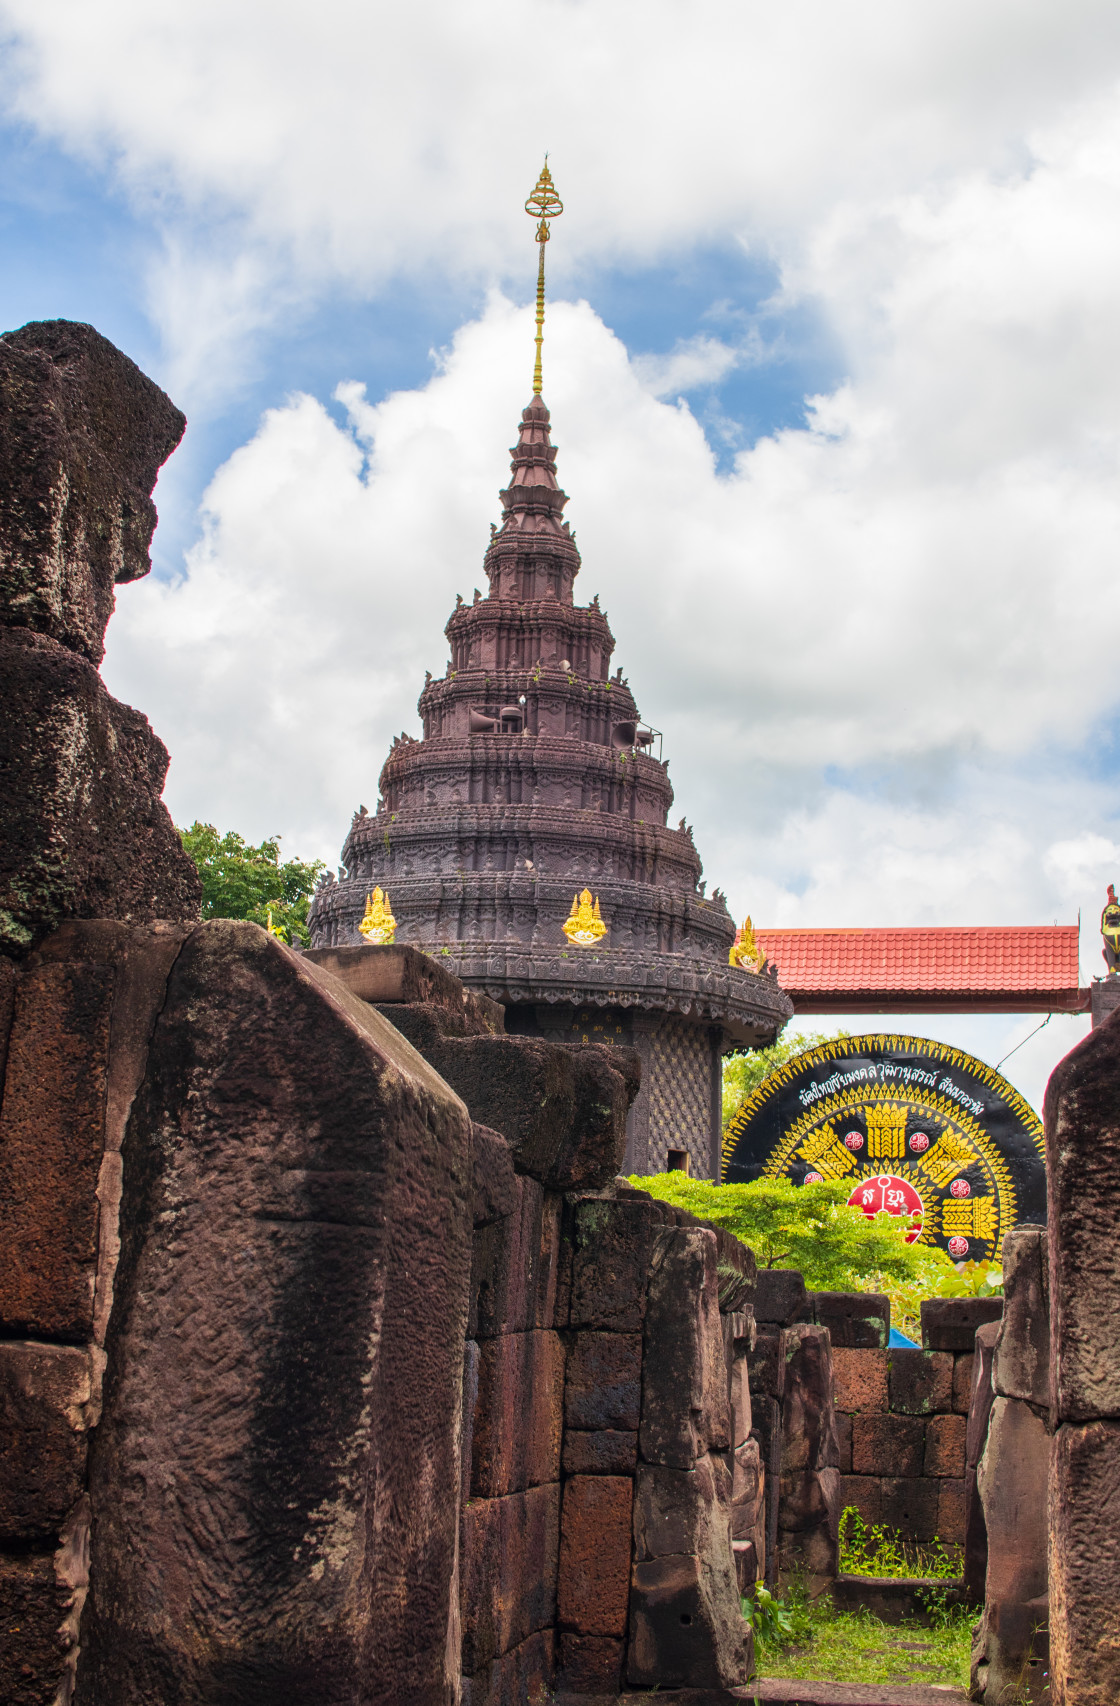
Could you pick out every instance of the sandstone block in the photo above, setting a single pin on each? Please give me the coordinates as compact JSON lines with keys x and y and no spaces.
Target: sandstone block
{"x":392,"y":973}
{"x":808,"y":1500}
{"x":612,"y":1250}
{"x":515,"y":1265}
{"x":563,"y":1111}
{"x":1021,"y":1364}
{"x":888,"y":1445}
{"x":603,"y":1381}
{"x":44,"y":1392}
{"x":808,"y":1415}
{"x":1085,"y":1562}
{"x":738,"y":1338}
{"x":83,"y":434}
{"x":682,"y":1510}
{"x":36,"y":1610}
{"x":910,"y":1505}
{"x":518,"y":1413}
{"x":685,"y":1408}
{"x":861,"y":1380}
{"x":508,"y":1569}
{"x":747,"y":1491}
{"x":607,"y":1452}
{"x":844,"y":1441}
{"x":52,"y":1137}
{"x":590,"y":1664}
{"x":983,"y":1393}
{"x":290,"y":1311}
{"x":523,"y":1677}
{"x":495,"y":1194}
{"x":8,"y":979}
{"x":921,"y":1382}
{"x":950,"y":1323}
{"x":766,"y":1367}
{"x":780,"y":1297}
{"x":865,"y":1493}
{"x":83,"y":831}
{"x":1012,"y":1481}
{"x":594,"y":1580}
{"x":962,"y":1382}
{"x":945,"y":1436}
{"x":678,"y":1637}
{"x":952,"y":1512}
{"x":1082,"y":1154}
{"x":855,"y":1319}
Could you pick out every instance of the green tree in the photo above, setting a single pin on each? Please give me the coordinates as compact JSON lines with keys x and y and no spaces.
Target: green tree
{"x":743,"y":1073}
{"x":242,"y":881}
{"x":810,"y":1227}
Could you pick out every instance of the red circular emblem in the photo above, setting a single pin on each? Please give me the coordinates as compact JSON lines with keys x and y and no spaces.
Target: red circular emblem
{"x":853,"y":1140}
{"x":814,"y":1179}
{"x":918,"y":1142}
{"x":887,"y":1193}
{"x":960,"y":1188}
{"x":958,"y":1247}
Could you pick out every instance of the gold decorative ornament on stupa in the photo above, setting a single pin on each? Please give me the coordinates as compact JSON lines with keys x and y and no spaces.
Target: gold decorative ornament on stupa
{"x":583,"y":926}
{"x":271,"y":928}
{"x":544,"y":204}
{"x":745,"y":951}
{"x":379,"y":927}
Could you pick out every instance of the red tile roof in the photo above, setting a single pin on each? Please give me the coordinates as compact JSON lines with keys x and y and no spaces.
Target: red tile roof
{"x":1010,"y":968}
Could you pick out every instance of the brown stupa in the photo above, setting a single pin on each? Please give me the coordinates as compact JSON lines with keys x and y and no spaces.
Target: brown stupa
{"x":524,"y":838}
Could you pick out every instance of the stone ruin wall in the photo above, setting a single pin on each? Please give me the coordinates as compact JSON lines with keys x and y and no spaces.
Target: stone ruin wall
{"x":335,"y":1362}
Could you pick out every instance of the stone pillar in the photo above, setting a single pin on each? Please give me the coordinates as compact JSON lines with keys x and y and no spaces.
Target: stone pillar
{"x":1083,"y":1196}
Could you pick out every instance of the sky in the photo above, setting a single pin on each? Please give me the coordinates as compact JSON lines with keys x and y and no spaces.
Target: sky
{"x":833,"y":359}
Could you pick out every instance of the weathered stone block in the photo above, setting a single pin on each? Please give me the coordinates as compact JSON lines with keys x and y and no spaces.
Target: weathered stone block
{"x":976,"y":1433}
{"x":8,"y":978}
{"x":290,"y":1311}
{"x":392,"y":973}
{"x":738,"y":1338}
{"x":1012,"y":1484}
{"x":36,"y":1617}
{"x":44,"y":1394}
{"x":515,"y":1265}
{"x":952,"y":1511}
{"x":685,"y":1408}
{"x":910,"y":1505}
{"x":590,"y":1664}
{"x":888,"y":1445}
{"x":950,"y":1323}
{"x":1084,"y":1569}
{"x":855,"y":1319}
{"x":1082,"y":1156}
{"x":52,"y":1137}
{"x":766,"y":1367}
{"x":865,"y":1493}
{"x":1021,"y":1364}
{"x":518,"y":1413}
{"x":508,"y":1568}
{"x":83,"y":434}
{"x":747,"y":1490}
{"x":612,"y":1246}
{"x":607,"y":1452}
{"x":861,"y":1380}
{"x":921,"y":1382}
{"x":808,"y":1499}
{"x":603,"y":1381}
{"x":678,"y":1510}
{"x":563,"y":1111}
{"x":678,"y":1638}
{"x":523,"y":1677}
{"x":83,"y":831}
{"x":844,"y":1441}
{"x":808,"y":1415}
{"x":945,"y":1436}
{"x":780,"y":1297}
{"x":494,"y":1189}
{"x":595,"y":1528}
{"x":962,"y":1382}
{"x":748,"y":1565}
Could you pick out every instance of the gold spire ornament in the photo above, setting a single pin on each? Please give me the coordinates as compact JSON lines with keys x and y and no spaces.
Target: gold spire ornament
{"x":271,"y":928}
{"x":583,"y":926}
{"x":544,"y":204}
{"x":379,"y":927}
{"x":745,"y":952}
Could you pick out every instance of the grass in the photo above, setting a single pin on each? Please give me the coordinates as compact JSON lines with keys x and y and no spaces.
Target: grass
{"x":882,"y":1551}
{"x":853,"y":1646}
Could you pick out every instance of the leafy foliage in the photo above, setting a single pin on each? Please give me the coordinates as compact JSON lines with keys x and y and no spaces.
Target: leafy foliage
{"x":820,"y":1639}
{"x":743,"y":1073}
{"x":810,"y":1227}
{"x":242,"y":881}
{"x":766,"y":1615}
{"x":882,"y":1551}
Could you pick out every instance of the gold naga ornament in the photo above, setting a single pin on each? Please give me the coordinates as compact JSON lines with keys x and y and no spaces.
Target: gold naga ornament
{"x":584,"y":927}
{"x":378,"y":926}
{"x":544,"y":204}
{"x":746,"y":953}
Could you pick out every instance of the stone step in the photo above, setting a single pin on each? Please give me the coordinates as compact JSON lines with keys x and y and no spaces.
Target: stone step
{"x":778,"y":1691}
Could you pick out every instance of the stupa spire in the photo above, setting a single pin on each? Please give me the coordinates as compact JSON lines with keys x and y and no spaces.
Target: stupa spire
{"x":544,"y":204}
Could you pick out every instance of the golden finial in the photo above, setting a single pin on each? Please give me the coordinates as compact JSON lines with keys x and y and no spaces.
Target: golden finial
{"x":271,"y":928}
{"x":544,"y":204}
{"x":745,"y":951}
{"x":378,"y":926}
{"x":583,"y":926}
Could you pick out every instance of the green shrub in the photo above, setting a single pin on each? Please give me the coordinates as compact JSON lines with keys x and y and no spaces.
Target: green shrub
{"x":881,"y":1551}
